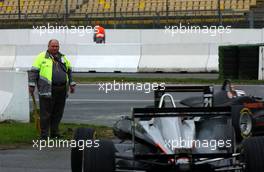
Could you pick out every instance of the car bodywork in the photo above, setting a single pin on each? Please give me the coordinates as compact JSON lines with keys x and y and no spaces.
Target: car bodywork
{"x":156,"y":133}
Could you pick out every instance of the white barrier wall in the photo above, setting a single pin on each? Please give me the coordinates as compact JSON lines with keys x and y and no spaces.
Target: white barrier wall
{"x":261,"y":63}
{"x":14,"y":36}
{"x":14,"y":101}
{"x":121,"y":57}
{"x":107,"y":58}
{"x":7,"y":56}
{"x":262,"y":33}
{"x":243,"y":36}
{"x":212,"y":62}
{"x":174,"y":58}
{"x":25,"y":55}
{"x":124,"y":48}
{"x":41,"y":37}
{"x":171,"y":37}
{"x":144,"y":36}
{"x":83,"y":58}
{"x":5,"y":99}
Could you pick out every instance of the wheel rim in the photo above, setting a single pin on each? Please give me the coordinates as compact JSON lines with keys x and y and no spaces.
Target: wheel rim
{"x":245,"y":124}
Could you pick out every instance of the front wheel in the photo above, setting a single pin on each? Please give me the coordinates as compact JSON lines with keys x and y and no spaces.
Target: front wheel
{"x":81,"y":134}
{"x":253,"y":154}
{"x":100,"y":158}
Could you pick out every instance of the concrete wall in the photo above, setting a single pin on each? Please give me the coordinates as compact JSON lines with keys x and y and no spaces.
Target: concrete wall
{"x":125,"y":50}
{"x":7,"y":56}
{"x":14,"y":101}
{"x":174,"y":58}
{"x":127,"y":36}
{"x":261,"y":63}
{"x":262,"y":33}
{"x":107,"y":58}
{"x":84,"y":58}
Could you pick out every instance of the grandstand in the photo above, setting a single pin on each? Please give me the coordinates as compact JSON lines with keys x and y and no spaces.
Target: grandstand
{"x":132,"y":11}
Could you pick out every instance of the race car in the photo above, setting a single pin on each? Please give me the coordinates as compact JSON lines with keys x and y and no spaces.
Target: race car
{"x":162,"y":138}
{"x":247,"y":111}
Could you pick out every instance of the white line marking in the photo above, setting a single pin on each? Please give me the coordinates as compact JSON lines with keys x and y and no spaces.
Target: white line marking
{"x":106,"y":100}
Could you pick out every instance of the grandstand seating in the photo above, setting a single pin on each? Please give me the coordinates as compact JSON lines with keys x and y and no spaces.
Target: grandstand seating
{"x":107,"y":6}
{"x":126,"y":8}
{"x":134,"y":6}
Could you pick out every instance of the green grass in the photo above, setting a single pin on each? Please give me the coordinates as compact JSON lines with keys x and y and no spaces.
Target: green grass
{"x":15,"y":133}
{"x":165,"y":80}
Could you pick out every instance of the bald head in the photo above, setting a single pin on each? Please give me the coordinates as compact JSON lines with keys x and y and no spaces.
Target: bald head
{"x":53,"y":47}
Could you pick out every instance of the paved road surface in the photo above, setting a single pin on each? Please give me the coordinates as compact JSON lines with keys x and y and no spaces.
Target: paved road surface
{"x":150,"y":75}
{"x":33,"y":160}
{"x":91,"y":105}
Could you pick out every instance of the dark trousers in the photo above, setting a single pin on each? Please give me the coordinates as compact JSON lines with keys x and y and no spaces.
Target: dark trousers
{"x":51,"y":111}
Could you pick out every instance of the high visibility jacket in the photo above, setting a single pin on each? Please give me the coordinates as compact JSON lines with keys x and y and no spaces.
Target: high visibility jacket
{"x":100,"y":32}
{"x":41,"y":73}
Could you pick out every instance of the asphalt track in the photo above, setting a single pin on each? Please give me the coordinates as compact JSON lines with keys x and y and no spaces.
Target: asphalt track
{"x":150,"y":75}
{"x":91,"y":104}
{"x":34,"y":160}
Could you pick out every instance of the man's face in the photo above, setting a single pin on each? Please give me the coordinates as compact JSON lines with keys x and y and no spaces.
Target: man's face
{"x":53,"y":47}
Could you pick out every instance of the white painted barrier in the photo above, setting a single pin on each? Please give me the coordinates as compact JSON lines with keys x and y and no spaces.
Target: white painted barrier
{"x":84,"y":58}
{"x":123,"y":49}
{"x":14,"y":36}
{"x":25,"y":55}
{"x":107,"y":58}
{"x":262,"y":35}
{"x":212,"y":62}
{"x":242,"y":36}
{"x":14,"y":96}
{"x":83,"y":36}
{"x":165,"y":36}
{"x":144,"y":36}
{"x":174,"y":58}
{"x":7,"y":56}
{"x":124,"y":36}
{"x":5,"y":99}
{"x":79,"y":38}
{"x":121,"y":57}
{"x":37,"y":37}
{"x":261,"y":63}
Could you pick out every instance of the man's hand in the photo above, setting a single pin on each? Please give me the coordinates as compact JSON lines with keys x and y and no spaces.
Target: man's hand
{"x":72,"y":88}
{"x":31,"y":89}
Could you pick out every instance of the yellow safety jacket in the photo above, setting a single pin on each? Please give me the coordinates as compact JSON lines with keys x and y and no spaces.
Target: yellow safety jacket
{"x":41,"y":73}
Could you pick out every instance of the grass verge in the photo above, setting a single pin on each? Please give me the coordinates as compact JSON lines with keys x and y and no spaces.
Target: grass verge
{"x":15,"y":134}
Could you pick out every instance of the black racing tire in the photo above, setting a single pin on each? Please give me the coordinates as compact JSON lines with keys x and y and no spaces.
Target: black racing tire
{"x":101,"y":158}
{"x":253,"y":154}
{"x":240,"y":114}
{"x":76,"y":153}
